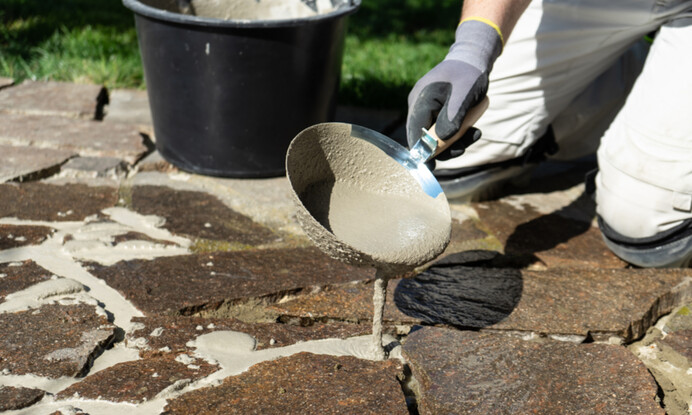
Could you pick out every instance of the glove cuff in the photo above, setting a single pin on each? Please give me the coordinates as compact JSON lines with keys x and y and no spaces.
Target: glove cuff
{"x":478,"y":42}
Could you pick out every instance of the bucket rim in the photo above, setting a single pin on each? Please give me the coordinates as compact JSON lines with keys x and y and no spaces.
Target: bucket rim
{"x":152,"y":12}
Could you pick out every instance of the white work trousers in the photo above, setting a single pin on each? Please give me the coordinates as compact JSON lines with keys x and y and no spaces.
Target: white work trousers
{"x":581,"y":65}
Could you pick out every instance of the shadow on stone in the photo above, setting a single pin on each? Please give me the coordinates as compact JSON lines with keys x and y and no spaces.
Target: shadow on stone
{"x":548,"y":231}
{"x":455,"y":292}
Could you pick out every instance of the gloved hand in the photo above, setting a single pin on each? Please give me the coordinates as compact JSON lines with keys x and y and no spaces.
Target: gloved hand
{"x":455,"y":85}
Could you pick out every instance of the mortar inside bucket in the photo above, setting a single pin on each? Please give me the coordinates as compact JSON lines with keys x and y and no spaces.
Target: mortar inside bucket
{"x":231,"y":82}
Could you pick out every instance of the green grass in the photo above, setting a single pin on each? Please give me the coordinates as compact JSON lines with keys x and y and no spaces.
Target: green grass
{"x":389,"y":45}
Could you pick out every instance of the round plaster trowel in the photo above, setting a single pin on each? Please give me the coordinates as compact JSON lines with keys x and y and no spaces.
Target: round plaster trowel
{"x":366,"y":200}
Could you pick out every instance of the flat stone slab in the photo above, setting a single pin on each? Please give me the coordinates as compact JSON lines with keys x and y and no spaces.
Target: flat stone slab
{"x":26,"y":163}
{"x":463,"y":372}
{"x":347,"y":302}
{"x":128,"y":106}
{"x":5,"y":82}
{"x":302,"y":384}
{"x":53,"y":341}
{"x":559,"y":238}
{"x":87,"y":138}
{"x":46,"y":202}
{"x":191,"y":283}
{"x":14,"y":236}
{"x":139,"y":380}
{"x":18,"y":398}
{"x":600,"y":303}
{"x":200,"y":216}
{"x":18,"y":276}
{"x":678,"y":333}
{"x":54,"y":98}
{"x":174,"y":332}
{"x":92,"y":167}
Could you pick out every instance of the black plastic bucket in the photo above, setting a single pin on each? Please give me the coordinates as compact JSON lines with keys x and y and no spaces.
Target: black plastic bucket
{"x":228,"y":96}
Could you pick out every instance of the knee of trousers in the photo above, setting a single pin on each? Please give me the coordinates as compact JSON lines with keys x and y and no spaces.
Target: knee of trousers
{"x":635,"y":208}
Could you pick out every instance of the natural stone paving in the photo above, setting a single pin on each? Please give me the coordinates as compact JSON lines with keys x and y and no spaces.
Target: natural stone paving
{"x":54,"y":340}
{"x":190,"y":283}
{"x":475,"y":373}
{"x":129,"y":285}
{"x":85,"y":137}
{"x":21,"y":163}
{"x":54,"y":98}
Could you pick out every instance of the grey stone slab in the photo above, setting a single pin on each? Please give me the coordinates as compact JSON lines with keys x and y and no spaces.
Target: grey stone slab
{"x":5,"y":82}
{"x":91,"y":167}
{"x":463,"y":372}
{"x":27,"y":163}
{"x":54,"y":98}
{"x":88,"y":138}
{"x":128,"y":106}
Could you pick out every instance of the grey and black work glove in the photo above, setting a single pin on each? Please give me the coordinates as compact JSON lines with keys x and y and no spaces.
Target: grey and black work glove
{"x":455,"y":85}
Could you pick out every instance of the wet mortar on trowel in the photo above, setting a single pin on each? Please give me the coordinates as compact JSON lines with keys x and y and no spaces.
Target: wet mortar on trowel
{"x":362,"y":207}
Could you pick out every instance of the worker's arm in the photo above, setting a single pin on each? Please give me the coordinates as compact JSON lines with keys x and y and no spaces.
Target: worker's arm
{"x":460,"y":81}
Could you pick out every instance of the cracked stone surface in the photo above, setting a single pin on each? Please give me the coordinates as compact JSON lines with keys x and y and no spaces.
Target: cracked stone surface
{"x":174,"y":332}
{"x":199,"y":215}
{"x":54,"y":98}
{"x":22,"y":162}
{"x":18,"y":398}
{"x":140,"y":380}
{"x":302,"y":383}
{"x":465,"y":372}
{"x":45,"y":202}
{"x":53,"y":341}
{"x":87,"y":138}
{"x":205,"y":281}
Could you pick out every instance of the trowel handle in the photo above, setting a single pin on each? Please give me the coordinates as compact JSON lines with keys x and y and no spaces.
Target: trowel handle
{"x":472,"y":116}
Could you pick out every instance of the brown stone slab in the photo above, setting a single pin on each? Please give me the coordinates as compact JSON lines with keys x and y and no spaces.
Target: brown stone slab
{"x":87,"y":138}
{"x":557,"y":239}
{"x":140,"y":380}
{"x":40,"y":201}
{"x":18,"y":398}
{"x":54,"y":98}
{"x":462,"y":372}
{"x":302,"y":384}
{"x":19,"y":276}
{"x":600,"y":303}
{"x":191,"y":283}
{"x":679,"y":333}
{"x":53,"y":341}
{"x":199,"y":215}
{"x":174,"y":332}
{"x":348,"y":302}
{"x":24,"y":163}
{"x":14,"y":236}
